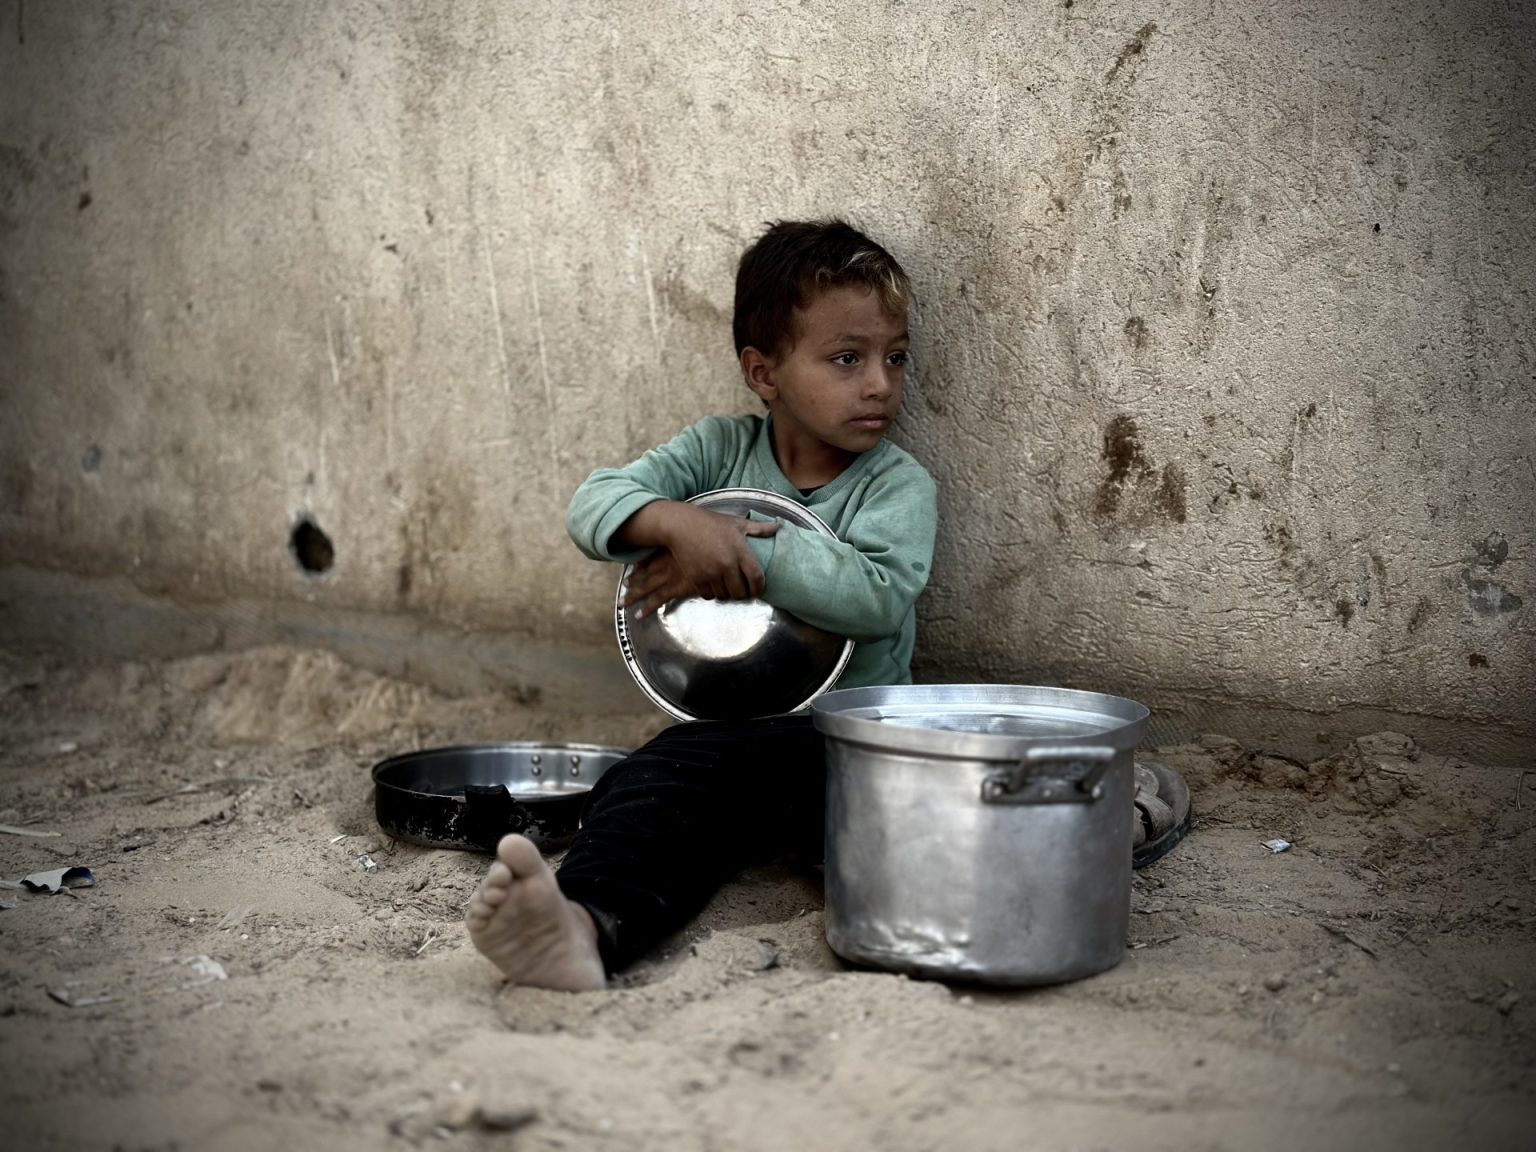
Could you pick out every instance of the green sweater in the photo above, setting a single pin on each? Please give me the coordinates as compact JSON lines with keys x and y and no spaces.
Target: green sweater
{"x":862,"y":585}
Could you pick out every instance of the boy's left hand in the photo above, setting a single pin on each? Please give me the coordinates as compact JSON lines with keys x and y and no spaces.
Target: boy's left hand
{"x":655,"y":582}
{"x":661,"y":578}
{"x":698,"y":553}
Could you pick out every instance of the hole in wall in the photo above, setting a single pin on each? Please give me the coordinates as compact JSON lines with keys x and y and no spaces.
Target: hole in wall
{"x":311,"y":547}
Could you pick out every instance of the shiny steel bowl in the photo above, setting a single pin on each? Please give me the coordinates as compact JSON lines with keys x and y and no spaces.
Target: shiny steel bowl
{"x":731,"y":659}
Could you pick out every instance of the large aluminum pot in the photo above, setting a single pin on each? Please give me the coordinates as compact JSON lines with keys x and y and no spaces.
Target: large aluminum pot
{"x":979,"y":831}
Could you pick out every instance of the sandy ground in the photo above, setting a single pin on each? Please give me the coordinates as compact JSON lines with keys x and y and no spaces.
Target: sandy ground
{"x":1373,"y":987}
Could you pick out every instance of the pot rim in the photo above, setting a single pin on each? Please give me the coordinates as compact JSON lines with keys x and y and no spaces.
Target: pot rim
{"x":395,"y":765}
{"x":863,"y":716}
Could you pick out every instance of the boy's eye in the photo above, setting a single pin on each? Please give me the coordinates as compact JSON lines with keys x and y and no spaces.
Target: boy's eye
{"x":847,"y":359}
{"x":898,"y":359}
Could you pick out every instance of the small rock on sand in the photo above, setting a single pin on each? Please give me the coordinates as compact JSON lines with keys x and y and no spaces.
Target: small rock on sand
{"x":503,"y":1118}
{"x":456,"y":1111}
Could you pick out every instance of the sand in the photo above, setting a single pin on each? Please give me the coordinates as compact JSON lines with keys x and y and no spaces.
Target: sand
{"x":255,"y":986}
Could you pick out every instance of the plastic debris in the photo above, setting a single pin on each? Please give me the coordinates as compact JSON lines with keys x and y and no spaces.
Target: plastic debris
{"x":67,"y":998}
{"x":365,"y":862}
{"x":209,"y":969}
{"x":51,"y":882}
{"x":14,"y":830}
{"x":1277,"y":845}
{"x":6,"y":905}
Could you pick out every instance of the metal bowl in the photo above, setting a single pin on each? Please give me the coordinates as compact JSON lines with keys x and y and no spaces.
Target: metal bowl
{"x":731,"y":659}
{"x":471,"y":797}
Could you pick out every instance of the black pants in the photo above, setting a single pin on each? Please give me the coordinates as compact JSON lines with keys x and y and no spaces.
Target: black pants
{"x":670,"y":823}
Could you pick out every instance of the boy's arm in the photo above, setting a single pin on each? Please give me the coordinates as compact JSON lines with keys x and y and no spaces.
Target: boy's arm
{"x":699,"y":553}
{"x":610,"y":497}
{"x":624,"y":513}
{"x":863,"y":585}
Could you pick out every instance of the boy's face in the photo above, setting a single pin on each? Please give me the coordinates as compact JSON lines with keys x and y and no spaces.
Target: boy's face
{"x":834,"y":391}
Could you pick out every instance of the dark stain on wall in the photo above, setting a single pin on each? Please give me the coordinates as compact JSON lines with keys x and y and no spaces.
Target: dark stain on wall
{"x":439,"y":518}
{"x":1122,"y":451}
{"x":1129,"y":469}
{"x":1344,"y":610}
{"x":17,"y":172}
{"x":15,"y":485}
{"x":1488,"y":597}
{"x":1476,"y":660}
{"x":1121,"y":188}
{"x":1420,"y":615}
{"x":689,"y":303}
{"x":1134,"y":47}
{"x":1104,"y":138}
{"x":1171,"y":492}
{"x":1280,"y":536}
{"x":1136,"y":332}
{"x":1233,"y":489}
{"x":1379,"y":566}
{"x":1493,"y":551}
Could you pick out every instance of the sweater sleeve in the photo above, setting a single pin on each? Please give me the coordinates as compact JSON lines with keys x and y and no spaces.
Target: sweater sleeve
{"x":863,"y":584}
{"x":684,"y":466}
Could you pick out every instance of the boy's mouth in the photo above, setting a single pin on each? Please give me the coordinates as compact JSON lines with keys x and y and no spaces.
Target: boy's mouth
{"x":871,"y":422}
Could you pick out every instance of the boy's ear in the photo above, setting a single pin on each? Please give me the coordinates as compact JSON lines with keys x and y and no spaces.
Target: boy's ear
{"x":757,"y":371}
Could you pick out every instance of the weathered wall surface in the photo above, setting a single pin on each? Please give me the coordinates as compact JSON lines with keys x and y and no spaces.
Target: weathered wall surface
{"x":1223,"y":339}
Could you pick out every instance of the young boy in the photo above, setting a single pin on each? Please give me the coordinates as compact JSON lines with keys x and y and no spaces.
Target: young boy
{"x":821,"y":333}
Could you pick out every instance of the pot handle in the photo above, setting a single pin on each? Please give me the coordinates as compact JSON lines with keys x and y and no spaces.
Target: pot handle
{"x":1073,"y":777}
{"x":490,"y":813}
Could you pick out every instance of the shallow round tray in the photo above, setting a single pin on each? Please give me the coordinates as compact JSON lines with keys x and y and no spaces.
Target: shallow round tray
{"x":470,"y":797}
{"x":731,"y":659}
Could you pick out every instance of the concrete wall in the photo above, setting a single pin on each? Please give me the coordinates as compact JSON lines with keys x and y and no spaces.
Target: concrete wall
{"x":1223,"y":337}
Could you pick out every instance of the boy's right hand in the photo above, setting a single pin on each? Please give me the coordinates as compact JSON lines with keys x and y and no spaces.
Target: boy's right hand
{"x":699,"y":553}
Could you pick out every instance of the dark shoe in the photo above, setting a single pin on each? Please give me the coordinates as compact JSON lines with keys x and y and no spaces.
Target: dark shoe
{"x":1163,"y":812}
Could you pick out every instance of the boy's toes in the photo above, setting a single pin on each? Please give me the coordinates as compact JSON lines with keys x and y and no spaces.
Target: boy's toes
{"x":479,"y":907}
{"x":518,"y":855}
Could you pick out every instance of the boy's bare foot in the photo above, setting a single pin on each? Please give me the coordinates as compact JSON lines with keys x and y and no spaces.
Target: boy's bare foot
{"x":521,"y":922}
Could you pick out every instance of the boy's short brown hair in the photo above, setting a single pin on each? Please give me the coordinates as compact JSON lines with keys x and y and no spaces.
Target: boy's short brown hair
{"x":797,"y":258}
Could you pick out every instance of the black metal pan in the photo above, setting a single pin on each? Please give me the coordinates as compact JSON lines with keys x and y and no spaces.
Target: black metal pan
{"x":470,"y":797}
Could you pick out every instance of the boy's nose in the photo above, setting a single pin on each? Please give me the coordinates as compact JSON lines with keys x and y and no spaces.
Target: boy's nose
{"x":877,"y":381}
